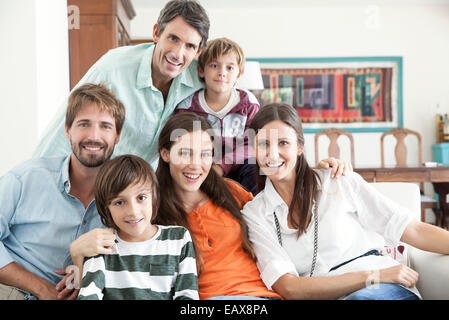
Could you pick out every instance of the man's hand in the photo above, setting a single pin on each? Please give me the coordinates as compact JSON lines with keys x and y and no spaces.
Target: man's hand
{"x":338,"y":167}
{"x":47,"y":292}
{"x":68,"y":287}
{"x":15,"y":275}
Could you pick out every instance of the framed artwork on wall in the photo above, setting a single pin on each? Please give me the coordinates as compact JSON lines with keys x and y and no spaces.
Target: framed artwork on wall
{"x":357,"y":94}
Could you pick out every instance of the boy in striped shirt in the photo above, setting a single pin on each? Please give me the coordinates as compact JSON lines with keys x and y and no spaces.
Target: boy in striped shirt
{"x":148,"y":261}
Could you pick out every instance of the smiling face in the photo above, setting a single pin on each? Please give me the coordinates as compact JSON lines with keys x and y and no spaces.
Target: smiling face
{"x":221,"y":74}
{"x":92,"y":135}
{"x":277,"y":151}
{"x":176,"y":47}
{"x":131,"y":210}
{"x":190,"y":160}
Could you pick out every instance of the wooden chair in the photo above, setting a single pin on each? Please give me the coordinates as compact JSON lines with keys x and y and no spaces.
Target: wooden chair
{"x":334,"y":151}
{"x":400,"y":152}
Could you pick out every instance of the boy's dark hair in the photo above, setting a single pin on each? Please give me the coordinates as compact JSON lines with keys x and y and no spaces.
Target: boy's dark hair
{"x":219,"y":47}
{"x":99,"y":94}
{"x":191,"y":11}
{"x":115,"y":176}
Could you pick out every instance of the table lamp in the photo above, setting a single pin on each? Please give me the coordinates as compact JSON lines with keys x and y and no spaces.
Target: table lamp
{"x":251,"y":78}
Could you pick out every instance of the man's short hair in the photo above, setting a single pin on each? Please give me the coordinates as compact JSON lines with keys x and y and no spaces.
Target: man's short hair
{"x":191,"y":11}
{"x":118,"y":174}
{"x":99,"y":94}
{"x":219,"y":47}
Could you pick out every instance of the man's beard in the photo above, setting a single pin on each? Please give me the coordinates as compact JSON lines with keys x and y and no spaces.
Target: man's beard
{"x":92,"y":160}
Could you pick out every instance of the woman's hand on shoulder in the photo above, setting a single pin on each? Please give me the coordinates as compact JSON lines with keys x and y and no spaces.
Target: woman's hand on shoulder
{"x":338,"y":167}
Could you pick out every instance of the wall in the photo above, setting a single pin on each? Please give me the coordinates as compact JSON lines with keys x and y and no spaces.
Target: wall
{"x":52,"y":59}
{"x":418,"y":32}
{"x":34,"y":73}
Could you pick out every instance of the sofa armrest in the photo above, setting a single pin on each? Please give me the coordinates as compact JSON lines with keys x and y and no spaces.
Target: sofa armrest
{"x":433,"y":273}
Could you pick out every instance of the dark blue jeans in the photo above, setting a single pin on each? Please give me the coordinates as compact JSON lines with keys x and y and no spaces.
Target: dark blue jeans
{"x":382,"y":291}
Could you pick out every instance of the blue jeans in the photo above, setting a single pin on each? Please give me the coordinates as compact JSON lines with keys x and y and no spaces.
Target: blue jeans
{"x":382,"y":291}
{"x":240,"y":298}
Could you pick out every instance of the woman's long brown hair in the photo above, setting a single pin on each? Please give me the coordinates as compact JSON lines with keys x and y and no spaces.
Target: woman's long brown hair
{"x":171,"y":209}
{"x":306,"y":179}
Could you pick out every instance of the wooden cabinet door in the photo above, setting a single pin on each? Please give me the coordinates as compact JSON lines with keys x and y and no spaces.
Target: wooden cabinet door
{"x":122,"y":35}
{"x":89,"y":43}
{"x":104,"y":25}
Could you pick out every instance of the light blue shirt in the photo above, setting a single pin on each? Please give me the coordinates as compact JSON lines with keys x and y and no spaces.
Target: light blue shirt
{"x":39,"y":219}
{"x":127,"y":72}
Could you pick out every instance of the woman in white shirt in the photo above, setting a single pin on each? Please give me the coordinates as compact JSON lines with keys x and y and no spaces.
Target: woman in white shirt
{"x":304,"y":223}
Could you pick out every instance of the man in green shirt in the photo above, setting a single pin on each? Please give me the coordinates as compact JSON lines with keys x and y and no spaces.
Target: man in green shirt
{"x":150,"y":79}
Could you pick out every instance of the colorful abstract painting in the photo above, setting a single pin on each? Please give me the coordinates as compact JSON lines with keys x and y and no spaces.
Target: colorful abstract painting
{"x":359,"y":95}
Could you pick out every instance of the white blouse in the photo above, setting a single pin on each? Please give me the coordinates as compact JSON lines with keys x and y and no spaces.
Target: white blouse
{"x":353,"y":218}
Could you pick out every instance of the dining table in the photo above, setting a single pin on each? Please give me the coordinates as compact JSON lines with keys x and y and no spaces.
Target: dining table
{"x":437,"y":175}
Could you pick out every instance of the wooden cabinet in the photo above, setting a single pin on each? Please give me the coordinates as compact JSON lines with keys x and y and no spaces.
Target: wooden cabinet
{"x":103,"y":25}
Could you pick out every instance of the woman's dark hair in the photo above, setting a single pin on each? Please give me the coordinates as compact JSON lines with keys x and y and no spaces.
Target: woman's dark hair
{"x":306,"y":179}
{"x":115,"y":176}
{"x":171,"y":210}
{"x":192,"y":13}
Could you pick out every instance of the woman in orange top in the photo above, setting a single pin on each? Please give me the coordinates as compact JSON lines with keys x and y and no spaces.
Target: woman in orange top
{"x":196,"y":197}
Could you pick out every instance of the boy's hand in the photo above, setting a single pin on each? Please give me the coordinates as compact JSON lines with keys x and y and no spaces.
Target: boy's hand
{"x":338,"y":167}
{"x":92,"y":243}
{"x":89,"y":244}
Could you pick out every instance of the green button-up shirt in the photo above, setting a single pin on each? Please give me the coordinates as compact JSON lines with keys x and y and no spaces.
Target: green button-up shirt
{"x":127,"y":72}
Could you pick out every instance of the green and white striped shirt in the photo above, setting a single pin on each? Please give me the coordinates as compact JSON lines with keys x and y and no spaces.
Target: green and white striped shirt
{"x":162,"y":268}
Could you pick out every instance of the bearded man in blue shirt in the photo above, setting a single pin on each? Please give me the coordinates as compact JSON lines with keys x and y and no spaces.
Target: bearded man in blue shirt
{"x":47,"y":203}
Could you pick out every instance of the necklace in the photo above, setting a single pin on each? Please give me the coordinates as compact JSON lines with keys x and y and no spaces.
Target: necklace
{"x":315,"y":234}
